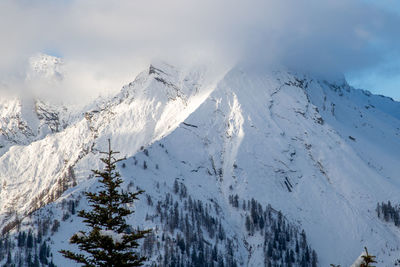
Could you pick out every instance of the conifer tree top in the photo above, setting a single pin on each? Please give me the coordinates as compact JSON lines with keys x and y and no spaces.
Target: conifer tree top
{"x":109,"y":242}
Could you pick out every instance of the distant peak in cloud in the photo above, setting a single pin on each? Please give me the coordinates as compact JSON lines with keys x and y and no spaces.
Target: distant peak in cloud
{"x":113,"y":41}
{"x":45,"y":66}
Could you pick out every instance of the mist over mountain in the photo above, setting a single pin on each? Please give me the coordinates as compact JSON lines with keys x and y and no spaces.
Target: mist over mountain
{"x":106,"y":45}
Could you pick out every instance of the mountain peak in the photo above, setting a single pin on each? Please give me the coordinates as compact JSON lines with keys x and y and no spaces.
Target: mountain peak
{"x":322,"y":153}
{"x":45,"y":66}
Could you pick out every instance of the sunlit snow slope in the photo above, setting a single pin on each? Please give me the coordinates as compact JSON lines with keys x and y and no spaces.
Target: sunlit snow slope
{"x":320,"y":151}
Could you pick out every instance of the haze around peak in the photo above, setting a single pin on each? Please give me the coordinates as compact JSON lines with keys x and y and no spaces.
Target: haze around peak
{"x":106,"y":44}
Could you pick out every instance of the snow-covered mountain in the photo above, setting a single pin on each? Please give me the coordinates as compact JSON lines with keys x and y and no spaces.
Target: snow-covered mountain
{"x":247,"y":161}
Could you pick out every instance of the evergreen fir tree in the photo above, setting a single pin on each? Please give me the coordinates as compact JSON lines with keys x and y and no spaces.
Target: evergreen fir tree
{"x":110,"y":241}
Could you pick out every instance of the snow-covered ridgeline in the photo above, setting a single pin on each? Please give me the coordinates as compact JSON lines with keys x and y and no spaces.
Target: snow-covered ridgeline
{"x":146,"y":110}
{"x":321,"y":152}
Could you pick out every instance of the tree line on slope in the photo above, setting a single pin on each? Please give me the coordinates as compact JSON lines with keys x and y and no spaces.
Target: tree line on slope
{"x":191,"y":233}
{"x":388,"y":212}
{"x":284,"y":243}
{"x":27,"y":249}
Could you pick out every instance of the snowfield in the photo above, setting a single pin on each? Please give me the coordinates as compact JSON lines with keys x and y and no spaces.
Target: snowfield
{"x":321,"y":152}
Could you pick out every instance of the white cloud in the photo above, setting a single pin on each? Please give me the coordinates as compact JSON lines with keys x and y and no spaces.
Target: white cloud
{"x":113,"y":40}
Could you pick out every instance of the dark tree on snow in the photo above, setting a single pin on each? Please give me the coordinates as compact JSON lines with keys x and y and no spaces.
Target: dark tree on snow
{"x":110,"y":242}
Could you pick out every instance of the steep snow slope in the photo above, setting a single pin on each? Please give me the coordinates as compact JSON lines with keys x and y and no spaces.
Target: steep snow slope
{"x":321,"y":152}
{"x":144,"y":111}
{"x":261,"y":136}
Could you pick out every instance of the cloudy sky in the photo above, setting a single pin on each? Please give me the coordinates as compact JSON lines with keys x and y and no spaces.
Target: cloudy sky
{"x":106,"y":42}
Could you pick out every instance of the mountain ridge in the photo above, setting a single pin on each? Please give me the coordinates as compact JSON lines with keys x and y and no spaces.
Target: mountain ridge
{"x":288,"y":140}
